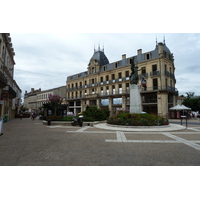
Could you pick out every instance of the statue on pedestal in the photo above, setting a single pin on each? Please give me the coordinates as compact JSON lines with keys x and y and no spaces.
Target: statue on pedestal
{"x":134,"y":74}
{"x":135,"y":98}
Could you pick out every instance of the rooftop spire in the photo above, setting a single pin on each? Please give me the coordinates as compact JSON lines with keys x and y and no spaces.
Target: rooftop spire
{"x":99,"y":47}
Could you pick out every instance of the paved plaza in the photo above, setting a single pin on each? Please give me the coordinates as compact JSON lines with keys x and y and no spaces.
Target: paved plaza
{"x":30,"y":143}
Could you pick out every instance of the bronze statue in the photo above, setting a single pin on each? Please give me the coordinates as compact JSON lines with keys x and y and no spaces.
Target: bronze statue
{"x":134,"y":74}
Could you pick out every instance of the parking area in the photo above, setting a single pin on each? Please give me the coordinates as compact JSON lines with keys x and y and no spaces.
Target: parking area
{"x":30,"y":143}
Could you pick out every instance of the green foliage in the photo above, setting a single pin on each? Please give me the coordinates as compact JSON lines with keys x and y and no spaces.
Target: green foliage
{"x":107,"y":112}
{"x":54,"y":101}
{"x":94,"y":113}
{"x":193,"y":103}
{"x":59,"y":118}
{"x":137,"y":120}
{"x":23,"y":109}
{"x":88,"y":119}
{"x":190,"y":94}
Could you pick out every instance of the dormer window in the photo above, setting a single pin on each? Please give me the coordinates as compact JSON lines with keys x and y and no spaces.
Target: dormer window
{"x":93,"y":70}
{"x":148,"y":56}
{"x":116,"y":65}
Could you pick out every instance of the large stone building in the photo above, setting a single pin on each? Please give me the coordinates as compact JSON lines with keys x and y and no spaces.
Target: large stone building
{"x":35,"y":99}
{"x":107,"y":84}
{"x":10,"y":93}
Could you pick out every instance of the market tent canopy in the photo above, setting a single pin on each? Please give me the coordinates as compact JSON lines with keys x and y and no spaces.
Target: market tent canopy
{"x":180,"y":107}
{"x":185,"y":108}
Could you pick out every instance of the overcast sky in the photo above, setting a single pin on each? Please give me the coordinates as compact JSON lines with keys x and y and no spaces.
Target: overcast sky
{"x":55,"y":40}
{"x":44,"y":60}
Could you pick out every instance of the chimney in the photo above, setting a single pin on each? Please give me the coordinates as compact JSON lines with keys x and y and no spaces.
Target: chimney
{"x":160,"y":48}
{"x":123,"y":56}
{"x":139,"y":51}
{"x":32,"y":90}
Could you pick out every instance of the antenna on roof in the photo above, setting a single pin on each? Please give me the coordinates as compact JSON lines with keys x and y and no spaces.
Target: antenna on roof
{"x":164,"y":38}
{"x":103,"y":48}
{"x":99,"y":47}
{"x":156,"y":40}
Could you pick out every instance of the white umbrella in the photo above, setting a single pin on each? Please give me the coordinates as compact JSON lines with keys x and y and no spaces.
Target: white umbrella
{"x":180,"y":107}
{"x":185,"y":108}
{"x":177,"y":107}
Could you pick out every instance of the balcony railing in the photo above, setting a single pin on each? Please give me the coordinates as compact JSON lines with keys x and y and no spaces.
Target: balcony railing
{"x":145,"y":75}
{"x":125,"y":92}
{"x":158,"y":88}
{"x":155,"y":73}
{"x":169,"y":74}
{"x":118,"y":80}
{"x":149,"y":100}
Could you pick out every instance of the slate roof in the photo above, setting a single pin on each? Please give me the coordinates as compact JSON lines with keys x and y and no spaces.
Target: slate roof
{"x":103,"y":60}
{"x":100,"y":57}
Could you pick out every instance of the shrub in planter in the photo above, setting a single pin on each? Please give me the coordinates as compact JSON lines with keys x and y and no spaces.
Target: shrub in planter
{"x":95,"y":113}
{"x":137,"y":120}
{"x":59,"y":118}
{"x":88,"y":119}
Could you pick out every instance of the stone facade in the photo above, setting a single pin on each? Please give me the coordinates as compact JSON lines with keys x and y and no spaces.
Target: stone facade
{"x":107,"y":85}
{"x":36,"y":98}
{"x":10,"y":93}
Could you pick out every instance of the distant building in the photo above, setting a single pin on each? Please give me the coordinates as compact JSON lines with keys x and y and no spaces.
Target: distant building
{"x":10,"y":92}
{"x":180,"y":100}
{"x":36,"y":98}
{"x":106,"y":85}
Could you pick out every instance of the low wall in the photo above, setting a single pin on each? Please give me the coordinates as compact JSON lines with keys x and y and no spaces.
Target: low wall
{"x":61,"y":123}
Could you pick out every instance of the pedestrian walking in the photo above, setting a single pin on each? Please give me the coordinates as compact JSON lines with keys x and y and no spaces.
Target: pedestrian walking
{"x":33,"y":116}
{"x":20,"y":116}
{"x":195,"y":115}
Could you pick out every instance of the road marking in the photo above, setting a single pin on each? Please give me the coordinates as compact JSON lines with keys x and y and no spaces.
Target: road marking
{"x":192,"y":143}
{"x":53,"y":126}
{"x":99,"y":132}
{"x":82,"y":129}
{"x":194,"y":129}
{"x":120,"y":136}
{"x":181,"y":140}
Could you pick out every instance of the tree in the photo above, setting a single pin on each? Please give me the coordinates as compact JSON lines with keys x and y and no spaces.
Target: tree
{"x":55,"y":101}
{"x":94,"y":113}
{"x":192,"y":102}
{"x":190,"y":94}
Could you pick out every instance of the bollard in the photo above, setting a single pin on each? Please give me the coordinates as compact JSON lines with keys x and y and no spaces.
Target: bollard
{"x":48,"y":122}
{"x":1,"y":126}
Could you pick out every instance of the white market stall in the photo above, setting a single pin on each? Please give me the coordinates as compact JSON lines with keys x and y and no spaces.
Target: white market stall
{"x":182,"y":108}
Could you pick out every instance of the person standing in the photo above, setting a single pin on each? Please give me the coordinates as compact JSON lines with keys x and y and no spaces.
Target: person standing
{"x":20,"y":116}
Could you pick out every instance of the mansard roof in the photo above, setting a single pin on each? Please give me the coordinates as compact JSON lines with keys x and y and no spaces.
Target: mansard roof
{"x":100,"y":57}
{"x":106,"y":66}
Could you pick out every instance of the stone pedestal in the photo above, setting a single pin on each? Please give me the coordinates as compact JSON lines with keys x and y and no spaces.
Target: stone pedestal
{"x":135,"y":99}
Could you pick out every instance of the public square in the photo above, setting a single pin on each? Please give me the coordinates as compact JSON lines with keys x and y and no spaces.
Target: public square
{"x":28,"y":142}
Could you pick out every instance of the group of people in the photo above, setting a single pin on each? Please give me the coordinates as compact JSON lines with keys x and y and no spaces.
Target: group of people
{"x":33,"y":115}
{"x":193,"y":114}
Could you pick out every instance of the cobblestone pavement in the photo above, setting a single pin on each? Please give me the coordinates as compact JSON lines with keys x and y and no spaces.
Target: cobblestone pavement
{"x":30,"y":143}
